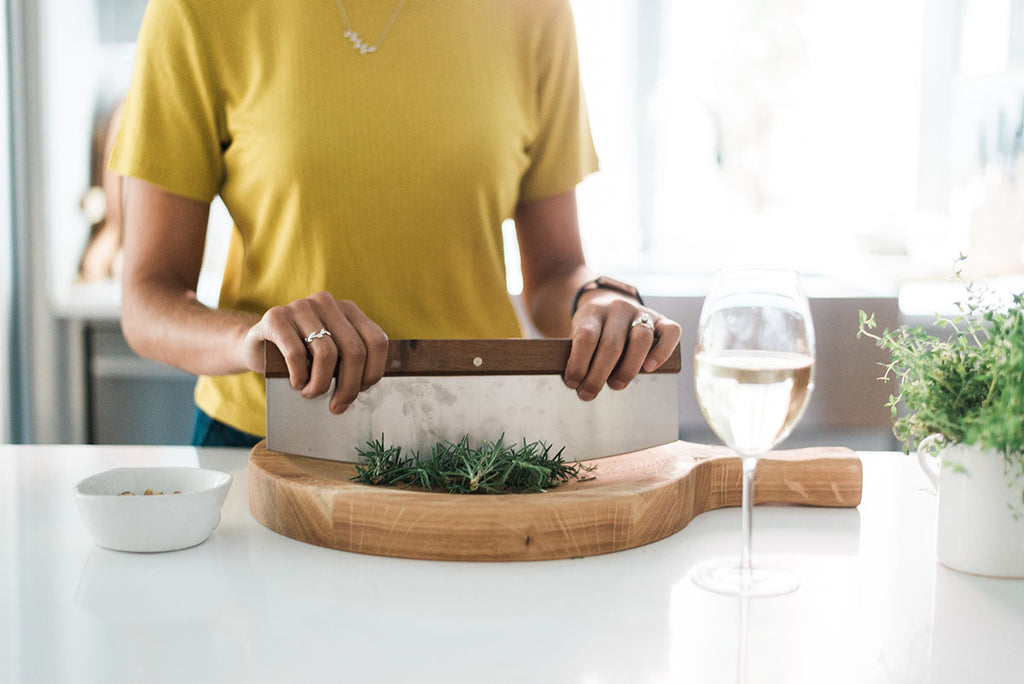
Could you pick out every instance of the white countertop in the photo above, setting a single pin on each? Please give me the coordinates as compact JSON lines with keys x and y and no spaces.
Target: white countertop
{"x":249,"y":605}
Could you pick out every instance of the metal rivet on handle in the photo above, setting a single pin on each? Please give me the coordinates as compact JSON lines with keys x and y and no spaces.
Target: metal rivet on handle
{"x":478,"y":362}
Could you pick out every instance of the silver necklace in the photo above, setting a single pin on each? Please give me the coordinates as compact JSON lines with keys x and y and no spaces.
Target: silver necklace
{"x":358,"y":43}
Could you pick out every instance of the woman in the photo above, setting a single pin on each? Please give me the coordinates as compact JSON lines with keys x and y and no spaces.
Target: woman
{"x":367,"y":179}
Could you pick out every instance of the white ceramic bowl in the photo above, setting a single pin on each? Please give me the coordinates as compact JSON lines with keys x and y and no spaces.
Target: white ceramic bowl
{"x":158,"y":522}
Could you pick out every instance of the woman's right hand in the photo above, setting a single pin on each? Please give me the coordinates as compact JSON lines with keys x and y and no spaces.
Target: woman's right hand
{"x":359,"y":343}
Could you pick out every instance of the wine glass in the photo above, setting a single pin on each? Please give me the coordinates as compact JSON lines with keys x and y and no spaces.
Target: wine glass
{"x":753,"y":374}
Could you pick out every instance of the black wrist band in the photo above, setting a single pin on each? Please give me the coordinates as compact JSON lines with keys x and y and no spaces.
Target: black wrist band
{"x":606,"y":283}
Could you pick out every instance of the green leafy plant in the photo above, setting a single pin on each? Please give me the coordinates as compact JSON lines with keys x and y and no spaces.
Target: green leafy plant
{"x":967,"y":385}
{"x":460,"y":468}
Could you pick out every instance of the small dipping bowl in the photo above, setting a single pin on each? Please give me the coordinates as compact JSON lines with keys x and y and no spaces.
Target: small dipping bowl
{"x":183,"y":514}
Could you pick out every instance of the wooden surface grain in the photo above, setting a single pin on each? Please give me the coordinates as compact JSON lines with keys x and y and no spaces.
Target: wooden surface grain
{"x":471,"y":357}
{"x":634,"y":499}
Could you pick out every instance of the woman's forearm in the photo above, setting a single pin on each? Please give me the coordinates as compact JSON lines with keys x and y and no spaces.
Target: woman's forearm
{"x":166,"y":322}
{"x":553,"y":266}
{"x":161,"y":318}
{"x":547,"y":301}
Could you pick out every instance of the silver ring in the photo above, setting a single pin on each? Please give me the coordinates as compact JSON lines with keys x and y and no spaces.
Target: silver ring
{"x":645,"y":319}
{"x":323,"y":332}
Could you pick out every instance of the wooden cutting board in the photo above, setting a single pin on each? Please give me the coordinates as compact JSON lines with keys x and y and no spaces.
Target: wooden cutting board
{"x":634,"y":499}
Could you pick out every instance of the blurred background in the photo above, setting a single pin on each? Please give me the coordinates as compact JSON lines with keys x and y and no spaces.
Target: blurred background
{"x":865,"y":144}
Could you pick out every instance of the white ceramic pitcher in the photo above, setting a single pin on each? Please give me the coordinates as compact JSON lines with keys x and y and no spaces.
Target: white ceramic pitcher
{"x":977,"y":530}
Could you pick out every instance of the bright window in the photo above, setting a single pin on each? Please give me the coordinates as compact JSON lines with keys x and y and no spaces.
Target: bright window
{"x":745,"y":131}
{"x":871,"y":141}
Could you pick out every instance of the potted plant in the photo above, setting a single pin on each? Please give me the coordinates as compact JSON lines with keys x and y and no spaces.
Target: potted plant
{"x":960,"y":398}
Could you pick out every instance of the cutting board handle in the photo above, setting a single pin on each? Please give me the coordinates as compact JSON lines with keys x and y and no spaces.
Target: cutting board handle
{"x":471,"y":357}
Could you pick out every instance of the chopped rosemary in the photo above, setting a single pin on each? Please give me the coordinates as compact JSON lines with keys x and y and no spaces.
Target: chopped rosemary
{"x":459,"y":468}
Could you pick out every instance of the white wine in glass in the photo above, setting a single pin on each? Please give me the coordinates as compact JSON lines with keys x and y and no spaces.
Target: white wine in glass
{"x":753,"y":375}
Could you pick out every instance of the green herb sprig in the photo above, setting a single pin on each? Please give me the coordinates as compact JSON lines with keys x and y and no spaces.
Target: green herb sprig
{"x":967,"y":386}
{"x":460,"y":468}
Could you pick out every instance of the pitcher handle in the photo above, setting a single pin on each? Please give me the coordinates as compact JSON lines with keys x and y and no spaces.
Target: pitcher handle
{"x":925,"y":456}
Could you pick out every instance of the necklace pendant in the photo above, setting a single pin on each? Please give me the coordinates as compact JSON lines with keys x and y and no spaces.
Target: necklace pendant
{"x":358,"y":43}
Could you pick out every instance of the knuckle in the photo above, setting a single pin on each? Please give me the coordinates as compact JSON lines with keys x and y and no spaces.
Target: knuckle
{"x":377,"y":345}
{"x":588,"y":332}
{"x":622,"y":306}
{"x":276,"y":316}
{"x":303,"y":305}
{"x":326,"y":352}
{"x":354,"y":352}
{"x":346,"y":306}
{"x":321,"y":298}
{"x":669,"y":325}
{"x":353,"y":355}
{"x":294,"y":356}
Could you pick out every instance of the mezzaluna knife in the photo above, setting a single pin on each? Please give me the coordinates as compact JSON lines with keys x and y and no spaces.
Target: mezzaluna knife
{"x":441,"y":390}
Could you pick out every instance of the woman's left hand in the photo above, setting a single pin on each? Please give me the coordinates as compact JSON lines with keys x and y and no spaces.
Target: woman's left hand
{"x":614,"y":337}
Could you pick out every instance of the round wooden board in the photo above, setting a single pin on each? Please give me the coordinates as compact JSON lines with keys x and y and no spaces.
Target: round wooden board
{"x":634,"y":499}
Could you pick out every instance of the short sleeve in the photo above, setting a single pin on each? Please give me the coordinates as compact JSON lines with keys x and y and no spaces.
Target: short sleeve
{"x":172,"y":131}
{"x":562,"y":151}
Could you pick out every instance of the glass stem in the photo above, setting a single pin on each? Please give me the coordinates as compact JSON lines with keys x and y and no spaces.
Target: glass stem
{"x":749,"y":467}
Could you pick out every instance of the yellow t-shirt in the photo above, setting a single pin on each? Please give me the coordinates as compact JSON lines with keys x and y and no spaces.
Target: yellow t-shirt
{"x":381,"y":178}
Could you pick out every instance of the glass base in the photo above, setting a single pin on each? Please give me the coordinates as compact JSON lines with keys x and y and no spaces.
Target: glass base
{"x":724,"y":577}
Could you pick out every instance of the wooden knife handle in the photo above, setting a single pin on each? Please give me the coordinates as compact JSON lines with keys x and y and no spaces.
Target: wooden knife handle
{"x":471,"y":357}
